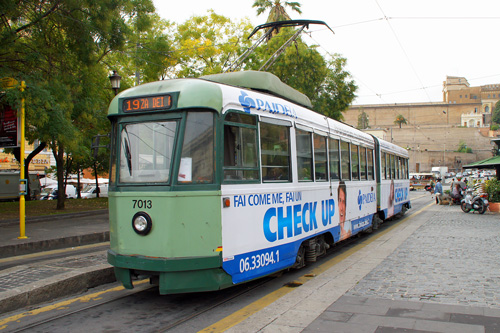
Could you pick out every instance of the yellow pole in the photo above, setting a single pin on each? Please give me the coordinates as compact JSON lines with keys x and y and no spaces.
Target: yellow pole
{"x":22,"y":204}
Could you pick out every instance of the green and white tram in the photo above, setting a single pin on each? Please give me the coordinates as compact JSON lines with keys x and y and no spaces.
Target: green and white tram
{"x":227,"y":178}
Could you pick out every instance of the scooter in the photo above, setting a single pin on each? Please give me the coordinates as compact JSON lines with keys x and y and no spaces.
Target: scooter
{"x":478,"y":203}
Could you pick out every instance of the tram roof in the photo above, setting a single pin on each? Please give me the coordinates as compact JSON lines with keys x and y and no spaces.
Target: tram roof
{"x":261,"y":81}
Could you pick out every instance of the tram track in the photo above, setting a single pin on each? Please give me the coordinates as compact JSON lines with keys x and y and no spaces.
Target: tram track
{"x":202,"y":304}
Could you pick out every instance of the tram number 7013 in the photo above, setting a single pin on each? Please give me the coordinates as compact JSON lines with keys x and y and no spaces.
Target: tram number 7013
{"x":148,"y":204}
{"x":258,"y":261}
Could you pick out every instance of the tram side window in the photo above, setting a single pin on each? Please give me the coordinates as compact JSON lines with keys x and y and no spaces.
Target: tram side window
{"x":275,"y":152}
{"x":320,"y":158}
{"x":392,"y":165}
{"x":384,"y":166}
{"x":333,"y":146}
{"x":304,"y":155}
{"x":362,"y":162}
{"x":399,"y":166}
{"x":389,"y":166}
{"x":355,"y":161}
{"x":370,"y":163}
{"x":240,"y":148}
{"x":197,"y":159}
{"x":345,"y":160}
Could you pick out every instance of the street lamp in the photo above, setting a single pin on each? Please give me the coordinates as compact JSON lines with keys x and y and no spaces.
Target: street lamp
{"x":115,"y":82}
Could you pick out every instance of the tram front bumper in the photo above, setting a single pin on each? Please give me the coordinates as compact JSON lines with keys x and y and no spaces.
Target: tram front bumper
{"x":179,"y":275}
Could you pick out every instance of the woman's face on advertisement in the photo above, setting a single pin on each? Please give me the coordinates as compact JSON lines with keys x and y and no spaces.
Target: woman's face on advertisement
{"x":342,"y":205}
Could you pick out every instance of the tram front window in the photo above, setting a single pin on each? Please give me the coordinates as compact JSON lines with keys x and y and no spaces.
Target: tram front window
{"x":197,"y":158}
{"x":146,"y":152}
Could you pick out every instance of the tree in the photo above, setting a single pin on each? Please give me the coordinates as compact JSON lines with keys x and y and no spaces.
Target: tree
{"x":400,"y":120}
{"x":277,"y":11}
{"x":363,"y":121}
{"x":58,"y":48}
{"x":324,"y":81}
{"x":462,"y":147}
{"x":496,"y":113}
{"x":207,"y":44}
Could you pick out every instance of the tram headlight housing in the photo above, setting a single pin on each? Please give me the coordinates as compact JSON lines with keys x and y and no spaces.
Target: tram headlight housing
{"x":142,"y":223}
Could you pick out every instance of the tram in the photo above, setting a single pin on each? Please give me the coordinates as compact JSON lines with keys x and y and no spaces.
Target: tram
{"x":226,"y":178}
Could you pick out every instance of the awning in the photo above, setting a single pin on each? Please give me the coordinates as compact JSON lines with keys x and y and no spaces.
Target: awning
{"x":489,"y":163}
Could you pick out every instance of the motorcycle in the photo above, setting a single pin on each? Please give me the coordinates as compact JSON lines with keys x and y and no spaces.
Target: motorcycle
{"x":478,"y":202}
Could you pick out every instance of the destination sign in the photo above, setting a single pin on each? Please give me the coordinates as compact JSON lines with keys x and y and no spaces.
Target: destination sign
{"x":150,"y":103}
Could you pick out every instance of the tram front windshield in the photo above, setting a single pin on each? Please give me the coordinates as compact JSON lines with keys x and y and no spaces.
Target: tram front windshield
{"x":146,"y":152}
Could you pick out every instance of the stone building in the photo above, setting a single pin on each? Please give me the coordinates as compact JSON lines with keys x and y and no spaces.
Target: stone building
{"x":434,"y":131}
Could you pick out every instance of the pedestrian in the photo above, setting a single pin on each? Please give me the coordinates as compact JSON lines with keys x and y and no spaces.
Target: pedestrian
{"x":438,"y":191}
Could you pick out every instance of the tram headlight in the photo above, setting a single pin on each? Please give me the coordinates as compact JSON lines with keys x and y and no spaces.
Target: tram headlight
{"x":142,"y":223}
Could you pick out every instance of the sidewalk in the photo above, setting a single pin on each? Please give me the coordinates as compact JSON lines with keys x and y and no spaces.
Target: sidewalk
{"x":437,"y":272}
{"x":41,"y":281}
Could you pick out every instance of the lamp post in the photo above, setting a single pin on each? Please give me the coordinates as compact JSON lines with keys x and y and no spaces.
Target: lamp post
{"x":115,"y":82}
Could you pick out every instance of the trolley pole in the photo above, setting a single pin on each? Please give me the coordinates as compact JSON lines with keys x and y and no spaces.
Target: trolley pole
{"x":23,"y":182}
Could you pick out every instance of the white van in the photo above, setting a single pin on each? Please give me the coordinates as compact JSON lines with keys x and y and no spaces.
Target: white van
{"x":50,"y":192}
{"x":89,"y":191}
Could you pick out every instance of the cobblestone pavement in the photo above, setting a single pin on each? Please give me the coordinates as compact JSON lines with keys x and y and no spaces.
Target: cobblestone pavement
{"x":453,"y":258}
{"x":27,"y":274}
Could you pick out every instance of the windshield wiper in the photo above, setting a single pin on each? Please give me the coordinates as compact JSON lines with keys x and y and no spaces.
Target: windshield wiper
{"x":128,"y":155}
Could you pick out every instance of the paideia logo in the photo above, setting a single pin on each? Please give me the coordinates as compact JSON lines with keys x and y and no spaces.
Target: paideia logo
{"x":246,"y":101}
{"x":365,"y":198}
{"x":249,"y":103}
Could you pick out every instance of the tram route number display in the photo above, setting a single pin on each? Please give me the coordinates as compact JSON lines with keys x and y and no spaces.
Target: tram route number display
{"x":259,"y":260}
{"x":147,"y":103}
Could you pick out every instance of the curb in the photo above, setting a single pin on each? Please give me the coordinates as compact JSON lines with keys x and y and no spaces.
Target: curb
{"x":53,"y":244}
{"x":71,"y":283}
{"x":55,"y":217}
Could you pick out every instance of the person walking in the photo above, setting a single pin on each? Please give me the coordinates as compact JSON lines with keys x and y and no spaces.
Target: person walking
{"x":438,"y":191}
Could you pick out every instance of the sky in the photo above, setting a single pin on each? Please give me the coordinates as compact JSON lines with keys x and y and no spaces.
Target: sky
{"x":397,"y":51}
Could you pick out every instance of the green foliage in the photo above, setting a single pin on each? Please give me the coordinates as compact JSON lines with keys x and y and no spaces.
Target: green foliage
{"x":363,"y":120}
{"x":277,"y":11}
{"x":400,"y":120}
{"x":495,"y":117}
{"x":494,"y":127}
{"x":207,"y":44}
{"x":324,"y":81}
{"x":59,"y":48}
{"x":492,"y":187}
{"x":462,"y":147}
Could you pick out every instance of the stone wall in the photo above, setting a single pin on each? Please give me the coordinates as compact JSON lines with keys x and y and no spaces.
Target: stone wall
{"x":432,"y":134}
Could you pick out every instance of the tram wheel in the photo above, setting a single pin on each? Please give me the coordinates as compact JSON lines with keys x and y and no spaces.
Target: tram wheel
{"x":376,"y":221}
{"x":300,"y":261}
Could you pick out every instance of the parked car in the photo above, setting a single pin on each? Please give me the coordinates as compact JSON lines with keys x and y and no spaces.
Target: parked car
{"x":51,"y":192}
{"x":89,"y":191}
